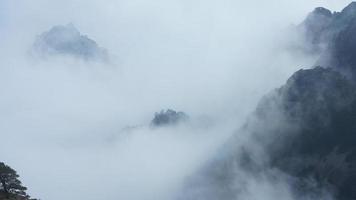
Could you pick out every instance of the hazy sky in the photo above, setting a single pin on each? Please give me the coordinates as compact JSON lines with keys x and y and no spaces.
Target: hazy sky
{"x":212,"y":59}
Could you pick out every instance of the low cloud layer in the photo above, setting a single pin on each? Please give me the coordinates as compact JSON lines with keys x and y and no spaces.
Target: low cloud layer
{"x":62,"y":119}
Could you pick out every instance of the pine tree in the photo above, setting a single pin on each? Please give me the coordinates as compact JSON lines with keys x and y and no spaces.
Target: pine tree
{"x":10,"y":185}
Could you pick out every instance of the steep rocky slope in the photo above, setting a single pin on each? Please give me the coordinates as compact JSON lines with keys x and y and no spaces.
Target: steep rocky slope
{"x":302,"y":134}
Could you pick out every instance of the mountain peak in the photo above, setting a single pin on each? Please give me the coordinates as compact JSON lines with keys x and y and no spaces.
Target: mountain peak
{"x":312,"y":83}
{"x":168,"y":117}
{"x":68,"y":32}
{"x":67,"y":40}
{"x":322,"y":11}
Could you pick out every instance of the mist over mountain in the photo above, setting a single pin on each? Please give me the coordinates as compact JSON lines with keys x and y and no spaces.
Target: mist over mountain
{"x":333,"y":35}
{"x":74,"y":128}
{"x":68,"y":41}
{"x":301,"y":137}
{"x":315,"y":144}
{"x":314,"y":27}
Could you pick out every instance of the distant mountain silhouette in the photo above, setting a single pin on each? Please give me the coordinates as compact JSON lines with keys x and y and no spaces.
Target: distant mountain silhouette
{"x":168,"y":118}
{"x":68,"y":41}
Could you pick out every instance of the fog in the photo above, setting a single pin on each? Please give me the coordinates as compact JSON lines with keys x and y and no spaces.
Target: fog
{"x":63,"y":120}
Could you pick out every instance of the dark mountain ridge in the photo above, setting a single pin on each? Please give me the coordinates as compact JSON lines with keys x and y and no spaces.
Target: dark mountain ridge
{"x":305,"y":130}
{"x":333,"y":35}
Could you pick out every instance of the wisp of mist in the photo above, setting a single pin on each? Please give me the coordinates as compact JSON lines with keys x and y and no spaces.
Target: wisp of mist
{"x":63,"y":121}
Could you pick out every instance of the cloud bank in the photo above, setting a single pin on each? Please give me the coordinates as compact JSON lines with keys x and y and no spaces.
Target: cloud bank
{"x":62,"y":118}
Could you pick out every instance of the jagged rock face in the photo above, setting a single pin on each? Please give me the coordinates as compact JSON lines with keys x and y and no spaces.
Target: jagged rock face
{"x":67,"y":40}
{"x":333,"y":35}
{"x":168,"y":118}
{"x":342,"y":45}
{"x":306,"y":129}
{"x":316,"y":132}
{"x":308,"y":126}
{"x":343,"y":50}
